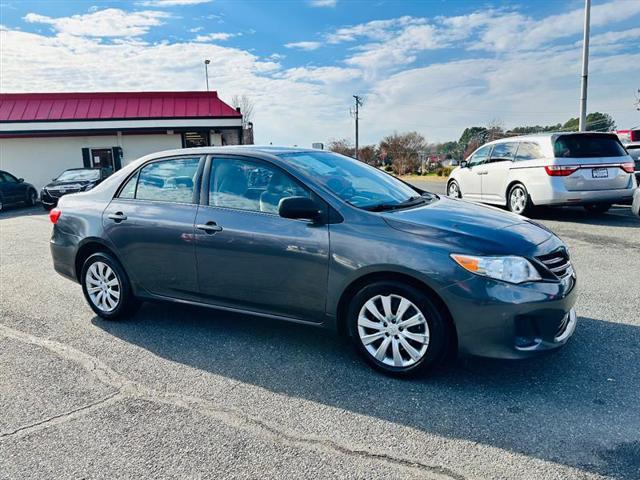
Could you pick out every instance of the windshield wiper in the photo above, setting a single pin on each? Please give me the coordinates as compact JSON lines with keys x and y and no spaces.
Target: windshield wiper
{"x":410,"y":202}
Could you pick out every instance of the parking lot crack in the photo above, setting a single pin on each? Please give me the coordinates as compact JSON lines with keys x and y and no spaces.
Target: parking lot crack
{"x":63,"y":417}
{"x":234,"y":418}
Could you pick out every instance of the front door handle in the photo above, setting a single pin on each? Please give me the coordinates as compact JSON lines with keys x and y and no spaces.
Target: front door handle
{"x":209,"y":227}
{"x":483,"y":172}
{"x":117,"y":217}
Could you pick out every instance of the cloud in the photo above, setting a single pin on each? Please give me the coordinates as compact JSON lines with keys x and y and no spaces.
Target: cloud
{"x":375,"y":29}
{"x":323,"y":3}
{"x":111,"y":22}
{"x":326,"y":75}
{"x":308,"y":46}
{"x":172,"y":3}
{"x":220,"y":36}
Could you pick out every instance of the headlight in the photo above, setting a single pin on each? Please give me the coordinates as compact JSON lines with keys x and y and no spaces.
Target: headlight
{"x":508,"y":269}
{"x":89,"y":187}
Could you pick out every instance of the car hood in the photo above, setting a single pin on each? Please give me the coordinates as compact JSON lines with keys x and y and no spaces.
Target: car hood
{"x":474,"y":228}
{"x":57,"y":183}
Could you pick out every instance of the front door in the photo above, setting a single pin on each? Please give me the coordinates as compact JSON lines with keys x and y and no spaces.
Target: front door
{"x":151,"y":223}
{"x":11,"y":190}
{"x":247,"y":255}
{"x":494,"y":182}
{"x":471,"y":176}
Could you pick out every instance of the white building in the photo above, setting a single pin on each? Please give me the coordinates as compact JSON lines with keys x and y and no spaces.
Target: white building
{"x":42,"y":134}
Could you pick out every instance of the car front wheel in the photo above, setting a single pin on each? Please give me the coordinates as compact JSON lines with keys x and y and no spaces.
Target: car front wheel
{"x":106,"y":287}
{"x":32,"y":198}
{"x":453,"y":190}
{"x":397,"y":329}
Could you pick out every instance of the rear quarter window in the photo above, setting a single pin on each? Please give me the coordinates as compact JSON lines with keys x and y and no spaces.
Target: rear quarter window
{"x":588,"y":146}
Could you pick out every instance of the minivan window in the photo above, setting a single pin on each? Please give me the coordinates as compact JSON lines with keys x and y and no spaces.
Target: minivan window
{"x":528,"y":151}
{"x":503,"y":151}
{"x":588,"y":146}
{"x":250,"y":185}
{"x":480,"y":156}
{"x":168,"y":180}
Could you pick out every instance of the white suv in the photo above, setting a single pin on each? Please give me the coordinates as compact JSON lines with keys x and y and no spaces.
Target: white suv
{"x":588,"y":169}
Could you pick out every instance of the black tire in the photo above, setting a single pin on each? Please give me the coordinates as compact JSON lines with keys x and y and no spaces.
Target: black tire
{"x":438,"y":329}
{"x":518,"y":207}
{"x":32,"y":197}
{"x":47,"y":208}
{"x":456,"y":187}
{"x":126,"y":304}
{"x":597,"y":208}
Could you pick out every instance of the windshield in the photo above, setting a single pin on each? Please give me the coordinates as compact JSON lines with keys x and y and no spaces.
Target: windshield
{"x":353,"y":181}
{"x":588,"y":146}
{"x":79,"y":175}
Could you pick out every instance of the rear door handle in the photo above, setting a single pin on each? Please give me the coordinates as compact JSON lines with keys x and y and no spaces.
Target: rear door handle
{"x":209,"y":227}
{"x":117,"y":217}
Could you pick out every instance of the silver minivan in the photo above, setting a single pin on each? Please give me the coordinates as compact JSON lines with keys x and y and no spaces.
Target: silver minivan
{"x":589,"y":169}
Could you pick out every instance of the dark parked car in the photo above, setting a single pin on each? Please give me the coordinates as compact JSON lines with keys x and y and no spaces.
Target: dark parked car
{"x":318,"y":238}
{"x":15,"y":191}
{"x":634,"y":152}
{"x":72,"y":180}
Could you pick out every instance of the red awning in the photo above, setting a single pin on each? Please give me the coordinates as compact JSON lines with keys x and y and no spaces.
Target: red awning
{"x":48,"y":107}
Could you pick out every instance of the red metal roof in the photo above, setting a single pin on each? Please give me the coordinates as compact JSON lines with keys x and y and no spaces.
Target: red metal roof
{"x":47,"y":107}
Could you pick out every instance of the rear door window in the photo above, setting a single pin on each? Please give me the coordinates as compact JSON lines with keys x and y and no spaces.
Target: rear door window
{"x":528,"y":151}
{"x":588,"y":146}
{"x":503,"y":152}
{"x":165,"y":181}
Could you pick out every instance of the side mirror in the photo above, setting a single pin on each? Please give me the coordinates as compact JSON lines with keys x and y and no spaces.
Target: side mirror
{"x":464,"y":164}
{"x":21,"y":180}
{"x":298,"y":208}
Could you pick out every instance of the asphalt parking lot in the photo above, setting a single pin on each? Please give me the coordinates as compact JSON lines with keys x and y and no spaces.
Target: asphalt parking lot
{"x":190,"y":393}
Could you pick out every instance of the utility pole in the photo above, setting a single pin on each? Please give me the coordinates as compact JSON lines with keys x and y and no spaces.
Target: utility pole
{"x":356,"y":113}
{"x":585,"y":67}
{"x":206,"y":72}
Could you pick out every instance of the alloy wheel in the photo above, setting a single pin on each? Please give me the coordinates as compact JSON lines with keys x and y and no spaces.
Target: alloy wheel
{"x":103,"y":286}
{"x":393,"y":330}
{"x":454,"y":191}
{"x":518,"y":200}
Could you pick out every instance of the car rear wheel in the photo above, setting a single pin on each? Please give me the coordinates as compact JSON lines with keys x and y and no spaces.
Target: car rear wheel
{"x":597,"y":208}
{"x":453,"y":190}
{"x":397,"y":329}
{"x":106,"y":287}
{"x":32,"y":198}
{"x":518,"y":200}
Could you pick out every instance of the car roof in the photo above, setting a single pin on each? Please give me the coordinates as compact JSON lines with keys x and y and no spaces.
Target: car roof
{"x":546,"y":136}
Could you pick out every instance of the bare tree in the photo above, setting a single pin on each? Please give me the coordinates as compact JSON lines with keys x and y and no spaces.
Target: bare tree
{"x":246,"y":106}
{"x":342,"y":146}
{"x":404,"y":149}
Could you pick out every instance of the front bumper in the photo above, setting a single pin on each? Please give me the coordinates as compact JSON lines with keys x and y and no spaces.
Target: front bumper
{"x":500,"y":320}
{"x":48,"y":200}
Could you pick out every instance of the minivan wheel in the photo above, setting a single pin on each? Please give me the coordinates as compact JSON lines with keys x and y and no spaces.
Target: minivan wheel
{"x":518,"y":201}
{"x":106,"y":287}
{"x":397,"y":329}
{"x":453,"y":190}
{"x":597,"y":208}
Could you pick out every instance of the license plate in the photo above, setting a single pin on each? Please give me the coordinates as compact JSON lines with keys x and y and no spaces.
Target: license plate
{"x":600,"y":173}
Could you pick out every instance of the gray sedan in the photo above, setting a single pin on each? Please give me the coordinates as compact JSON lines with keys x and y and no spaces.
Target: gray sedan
{"x":317,"y":238}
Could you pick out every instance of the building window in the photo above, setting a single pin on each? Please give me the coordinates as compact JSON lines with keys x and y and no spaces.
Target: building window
{"x":199,"y":138}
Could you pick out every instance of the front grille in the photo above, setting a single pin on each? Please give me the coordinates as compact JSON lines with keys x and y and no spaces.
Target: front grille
{"x":57,"y":193}
{"x":557,"y":263}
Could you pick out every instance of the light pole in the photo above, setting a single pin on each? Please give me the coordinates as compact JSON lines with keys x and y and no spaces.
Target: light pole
{"x":206,"y":72}
{"x":585,"y":68}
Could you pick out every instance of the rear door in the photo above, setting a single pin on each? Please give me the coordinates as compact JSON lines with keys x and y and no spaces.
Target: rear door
{"x":470,"y":177}
{"x":250,"y":257}
{"x":494,"y":182}
{"x":598,"y":158}
{"x":151,"y":223}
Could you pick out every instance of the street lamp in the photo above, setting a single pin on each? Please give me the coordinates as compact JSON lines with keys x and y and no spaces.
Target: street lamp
{"x":206,"y":72}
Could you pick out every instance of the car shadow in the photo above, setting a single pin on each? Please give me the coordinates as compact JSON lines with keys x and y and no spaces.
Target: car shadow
{"x":571,"y":407}
{"x":617,"y":216}
{"x":21,"y":211}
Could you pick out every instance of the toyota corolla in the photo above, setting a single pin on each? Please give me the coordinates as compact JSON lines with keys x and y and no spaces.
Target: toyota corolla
{"x":318,"y":238}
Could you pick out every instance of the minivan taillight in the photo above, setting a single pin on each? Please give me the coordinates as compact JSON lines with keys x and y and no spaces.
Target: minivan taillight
{"x":628,"y":167}
{"x":560,"y":170}
{"x":54,"y":215}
